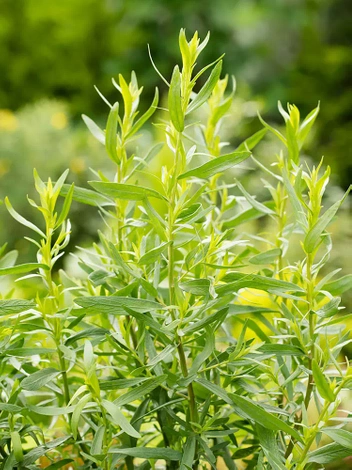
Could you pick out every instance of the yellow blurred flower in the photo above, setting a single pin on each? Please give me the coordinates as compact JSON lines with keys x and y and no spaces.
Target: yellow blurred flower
{"x":77,"y":165}
{"x":59,"y":120}
{"x":8,"y":120}
{"x":4,"y":166}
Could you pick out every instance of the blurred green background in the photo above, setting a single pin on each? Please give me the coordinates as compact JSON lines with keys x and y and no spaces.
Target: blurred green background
{"x":53,"y":52}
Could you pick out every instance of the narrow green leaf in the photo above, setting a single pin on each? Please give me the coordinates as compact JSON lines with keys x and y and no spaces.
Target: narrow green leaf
{"x":94,"y":129}
{"x":116,"y":305}
{"x":196,"y":286}
{"x":22,"y":268}
{"x":249,"y":409}
{"x":111,"y":133}
{"x":39,"y":379}
{"x":13,"y":306}
{"x":87,"y":196}
{"x":247,"y":216}
{"x":253,"y":202}
{"x":206,"y":89}
{"x":129,"y":192}
{"x":143,"y":119}
{"x":268,"y":257}
{"x":313,"y":236}
{"x":188,"y":453}
{"x":21,"y":219}
{"x":217,"y":165}
{"x":252,"y":141}
{"x":340,"y":436}
{"x":175,"y":101}
{"x":153,"y":255}
{"x":51,"y":410}
{"x":77,"y":412}
{"x":236,"y":280}
{"x":97,"y":442}
{"x":120,"y":419}
{"x":339,"y":286}
{"x":66,"y":206}
{"x":140,"y":391}
{"x":331,"y":453}
{"x":17,"y":446}
{"x":154,"y":453}
{"x":322,"y":383}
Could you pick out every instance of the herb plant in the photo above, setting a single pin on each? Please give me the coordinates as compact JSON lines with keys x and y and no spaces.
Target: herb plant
{"x":134,"y":363}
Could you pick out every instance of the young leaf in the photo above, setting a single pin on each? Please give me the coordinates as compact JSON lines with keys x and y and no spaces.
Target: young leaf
{"x":175,"y":101}
{"x":217,"y":165}
{"x":97,"y":443}
{"x":207,"y":88}
{"x":66,"y":207}
{"x":21,"y":219}
{"x":313,"y":236}
{"x":252,"y":141}
{"x":94,"y":129}
{"x":111,"y":133}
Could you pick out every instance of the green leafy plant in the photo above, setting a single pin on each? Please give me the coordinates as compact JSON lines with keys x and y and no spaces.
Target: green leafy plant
{"x":188,"y":341}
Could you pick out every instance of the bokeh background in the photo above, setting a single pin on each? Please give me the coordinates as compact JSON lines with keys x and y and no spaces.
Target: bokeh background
{"x":53,"y":52}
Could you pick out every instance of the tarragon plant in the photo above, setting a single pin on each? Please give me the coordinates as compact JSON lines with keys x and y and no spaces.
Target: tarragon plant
{"x":134,"y":363}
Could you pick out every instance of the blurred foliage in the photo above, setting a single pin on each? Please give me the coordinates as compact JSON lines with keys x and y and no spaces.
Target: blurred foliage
{"x":292,"y":50}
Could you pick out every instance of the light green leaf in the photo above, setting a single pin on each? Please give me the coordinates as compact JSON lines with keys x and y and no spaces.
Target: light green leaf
{"x":207,"y":88}
{"x":249,"y":409}
{"x":129,"y":192}
{"x":252,"y":141}
{"x":120,"y":419}
{"x":116,"y":305}
{"x":322,"y":383}
{"x":143,"y":119}
{"x":236,"y":280}
{"x":217,"y":165}
{"x":153,"y":255}
{"x":268,"y":257}
{"x":253,"y":202}
{"x":97,"y":442}
{"x":175,"y":101}
{"x":247,"y":215}
{"x":39,"y":379}
{"x":22,"y":268}
{"x":13,"y":306}
{"x":66,"y":206}
{"x":196,"y":286}
{"x":313,"y":236}
{"x":21,"y":219}
{"x":111,"y":133}
{"x":76,"y":415}
{"x":94,"y":129}
{"x":17,"y":446}
{"x":51,"y":410}
{"x":140,"y":391}
{"x":154,"y":453}
{"x":339,"y":286}
{"x":340,"y":436}
{"x":188,"y":453}
{"x":87,"y":196}
{"x":331,"y":453}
